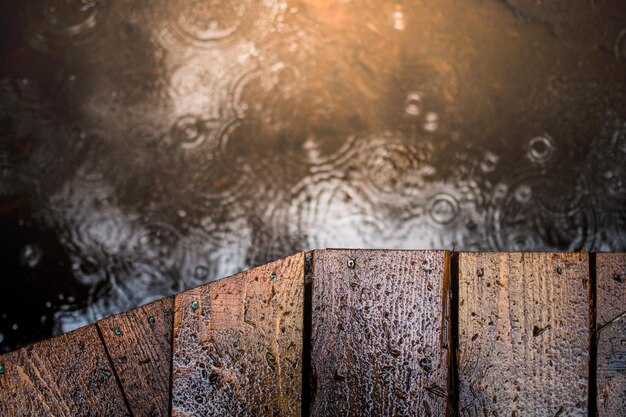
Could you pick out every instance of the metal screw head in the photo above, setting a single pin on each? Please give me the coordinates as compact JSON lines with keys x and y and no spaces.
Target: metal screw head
{"x":1,"y":369}
{"x":480,"y":272}
{"x":351,"y":263}
{"x":151,"y":320}
{"x":117,"y":331}
{"x":559,"y":270}
{"x":195,"y":305}
{"x":273,"y":276}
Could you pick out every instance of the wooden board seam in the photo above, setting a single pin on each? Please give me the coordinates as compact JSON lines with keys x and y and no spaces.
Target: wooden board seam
{"x":453,"y":369}
{"x":170,"y":394}
{"x":594,"y":334}
{"x":307,"y":319}
{"x":115,"y":374}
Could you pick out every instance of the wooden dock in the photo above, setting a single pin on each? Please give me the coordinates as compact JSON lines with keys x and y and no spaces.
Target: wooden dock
{"x":350,"y":333}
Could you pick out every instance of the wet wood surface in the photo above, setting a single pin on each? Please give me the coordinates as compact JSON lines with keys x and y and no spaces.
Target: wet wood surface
{"x":524,"y":332}
{"x":610,"y":286}
{"x":139,"y":343}
{"x":611,"y":322}
{"x":379,"y":336}
{"x":380,"y":340}
{"x":238,"y":344}
{"x":68,"y":376}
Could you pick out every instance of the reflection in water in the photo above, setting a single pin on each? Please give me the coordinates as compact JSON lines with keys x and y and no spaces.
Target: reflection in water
{"x":148,"y":147}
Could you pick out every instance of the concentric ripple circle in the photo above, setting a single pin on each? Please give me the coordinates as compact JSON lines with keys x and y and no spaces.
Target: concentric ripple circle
{"x":56,"y":24}
{"x":210,"y":21}
{"x":528,"y":212}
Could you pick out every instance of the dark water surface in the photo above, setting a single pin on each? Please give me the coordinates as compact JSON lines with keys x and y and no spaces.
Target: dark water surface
{"x":150,"y":146}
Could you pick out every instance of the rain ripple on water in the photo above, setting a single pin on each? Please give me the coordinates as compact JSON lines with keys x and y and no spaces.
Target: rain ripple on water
{"x":149,"y":147}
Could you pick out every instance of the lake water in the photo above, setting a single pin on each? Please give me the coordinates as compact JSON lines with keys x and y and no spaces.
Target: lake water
{"x":149,"y":147}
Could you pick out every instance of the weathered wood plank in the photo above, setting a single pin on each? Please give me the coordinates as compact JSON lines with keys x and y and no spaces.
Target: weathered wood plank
{"x":611,"y":319}
{"x":139,"y":343}
{"x":238,"y":344}
{"x":69,"y":375}
{"x":379,"y":333}
{"x":610,"y":286}
{"x":611,"y":374}
{"x":524,"y":332}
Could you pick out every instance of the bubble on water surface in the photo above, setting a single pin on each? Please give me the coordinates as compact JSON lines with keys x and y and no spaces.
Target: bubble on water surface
{"x":489,"y":162}
{"x":30,"y":256}
{"x":614,"y":180}
{"x":191,"y":131}
{"x":540,"y":149}
{"x":443,"y":208}
{"x":523,"y":193}
{"x":399,"y":20}
{"x":413,"y":104}
{"x":431,"y":121}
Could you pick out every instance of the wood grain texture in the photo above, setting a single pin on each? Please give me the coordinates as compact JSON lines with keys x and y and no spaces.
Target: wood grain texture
{"x":238,"y":344}
{"x":610,"y":286}
{"x":68,"y":376}
{"x":611,"y":320}
{"x":611,"y":374}
{"x":379,"y":335}
{"x":139,"y":343}
{"x":524,"y":332}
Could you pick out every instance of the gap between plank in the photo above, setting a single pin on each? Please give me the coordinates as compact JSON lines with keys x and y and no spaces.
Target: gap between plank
{"x":306,"y":335}
{"x":117,"y":377}
{"x":170,"y":399}
{"x":592,"y":401}
{"x":453,"y":369}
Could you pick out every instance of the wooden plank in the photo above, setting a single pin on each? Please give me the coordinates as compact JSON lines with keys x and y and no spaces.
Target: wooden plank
{"x":610,"y":286}
{"x":238,"y":344}
{"x":524,"y":332}
{"x":611,"y":319}
{"x":379,"y":333}
{"x":139,"y":343}
{"x":611,"y":374}
{"x":69,"y":375}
